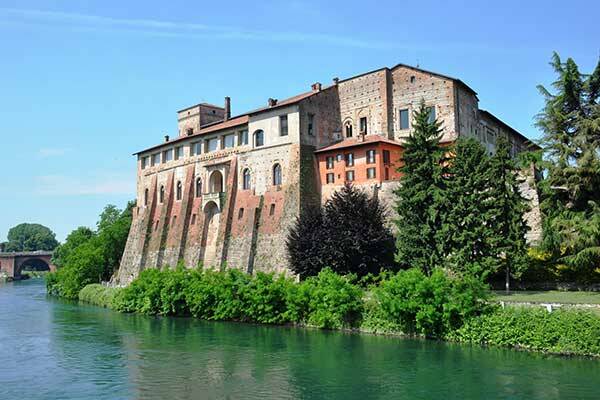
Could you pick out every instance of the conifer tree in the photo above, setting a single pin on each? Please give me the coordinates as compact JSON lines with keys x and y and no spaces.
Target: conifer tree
{"x":466,"y":232}
{"x":508,"y":206}
{"x":570,"y":122}
{"x":420,"y":195}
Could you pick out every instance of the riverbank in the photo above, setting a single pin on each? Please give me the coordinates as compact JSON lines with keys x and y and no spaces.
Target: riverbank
{"x":406,"y":305}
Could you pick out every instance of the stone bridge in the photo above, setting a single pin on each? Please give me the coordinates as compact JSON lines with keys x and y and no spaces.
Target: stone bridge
{"x":12,"y":264}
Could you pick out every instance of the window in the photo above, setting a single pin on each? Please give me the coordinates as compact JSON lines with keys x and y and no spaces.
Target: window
{"x":272,"y":209}
{"x":146,"y":196}
{"x":349,"y":176}
{"x":193,"y":219}
{"x":178,"y":192}
{"x":243,"y":139}
{"x":330,"y":178}
{"x":246,"y":179}
{"x":283,"y":125}
{"x":179,"y":152}
{"x":311,"y":124}
{"x":349,"y":159}
{"x":240,"y":213}
{"x":212,"y":144}
{"x":329,"y":162}
{"x":145,"y":162}
{"x":371,"y":173}
{"x":363,"y":125}
{"x":174,"y":219}
{"x":198,"y":187}
{"x":228,"y":141}
{"x":412,"y":79}
{"x":167,"y":155}
{"x":196,"y":148}
{"x":348,"y":128}
{"x":161,"y":197}
{"x":259,"y":138}
{"x":339,"y":157}
{"x":277,"y":174}
{"x":370,"y":156}
{"x":189,"y":131}
{"x":155,"y":159}
{"x":404,"y":118}
{"x":431,"y":111}
{"x":386,"y":156}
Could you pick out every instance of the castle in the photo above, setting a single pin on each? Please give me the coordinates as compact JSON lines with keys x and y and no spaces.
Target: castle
{"x":227,"y":189}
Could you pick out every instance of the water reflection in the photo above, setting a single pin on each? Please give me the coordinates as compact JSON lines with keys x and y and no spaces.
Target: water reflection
{"x":87,"y":352}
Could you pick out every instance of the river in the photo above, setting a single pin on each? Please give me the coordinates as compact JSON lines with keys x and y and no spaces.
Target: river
{"x":54,"y":349}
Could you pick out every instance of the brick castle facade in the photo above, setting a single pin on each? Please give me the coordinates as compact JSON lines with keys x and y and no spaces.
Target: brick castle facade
{"x":227,"y":189}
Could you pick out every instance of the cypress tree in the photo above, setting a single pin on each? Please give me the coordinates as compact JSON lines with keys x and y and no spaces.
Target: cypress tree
{"x":466,"y":230}
{"x":506,"y":215}
{"x":420,"y":195}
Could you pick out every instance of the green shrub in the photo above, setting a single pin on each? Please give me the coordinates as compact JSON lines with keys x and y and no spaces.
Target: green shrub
{"x":417,"y":304}
{"x":327,"y":301}
{"x":562,"y":331}
{"x":143,"y":294}
{"x":266,"y":299}
{"x":98,"y":295}
{"x":215,"y":295}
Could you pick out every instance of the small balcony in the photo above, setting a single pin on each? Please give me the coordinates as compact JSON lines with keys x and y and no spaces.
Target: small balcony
{"x":217,"y":197}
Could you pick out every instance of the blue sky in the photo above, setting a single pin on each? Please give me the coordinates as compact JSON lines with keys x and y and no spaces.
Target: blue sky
{"x":83,"y":84}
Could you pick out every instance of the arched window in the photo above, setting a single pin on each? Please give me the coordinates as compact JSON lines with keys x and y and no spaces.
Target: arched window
{"x":161,"y":197}
{"x":348,"y":127}
{"x":259,"y":138}
{"x":277,"y":174}
{"x":198,"y":187}
{"x":246,"y":179}
{"x":146,"y":197}
{"x":179,"y":190}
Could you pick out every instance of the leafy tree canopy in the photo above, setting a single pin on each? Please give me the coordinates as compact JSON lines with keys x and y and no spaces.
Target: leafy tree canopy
{"x":348,"y":235}
{"x":30,"y":237}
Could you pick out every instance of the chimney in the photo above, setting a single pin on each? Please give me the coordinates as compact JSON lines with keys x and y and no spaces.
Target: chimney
{"x":166,"y":138}
{"x":336,"y":80}
{"x":316,"y":87}
{"x":227,"y":108}
{"x":272,"y":102}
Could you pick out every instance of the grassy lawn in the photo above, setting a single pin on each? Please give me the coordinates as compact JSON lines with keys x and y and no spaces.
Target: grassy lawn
{"x":552,"y":296}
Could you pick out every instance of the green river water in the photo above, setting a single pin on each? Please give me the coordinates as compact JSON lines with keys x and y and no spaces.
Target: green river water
{"x":52,"y":349}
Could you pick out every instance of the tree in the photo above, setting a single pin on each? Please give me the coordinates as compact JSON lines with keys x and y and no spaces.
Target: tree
{"x":357,"y":241}
{"x":304,"y":242}
{"x":570,"y":122}
{"x":75,"y":239}
{"x":466,"y":231}
{"x":30,"y":237}
{"x":90,"y":257}
{"x":348,"y":235}
{"x":508,"y":206}
{"x":420,"y":196}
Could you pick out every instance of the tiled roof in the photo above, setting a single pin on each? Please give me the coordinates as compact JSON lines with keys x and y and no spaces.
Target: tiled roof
{"x":238,"y":120}
{"x":353,"y":142}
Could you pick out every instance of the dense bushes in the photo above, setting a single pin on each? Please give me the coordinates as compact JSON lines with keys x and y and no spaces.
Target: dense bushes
{"x":408,"y":302}
{"x":414,"y":303}
{"x":98,"y":295}
{"x":327,"y":300}
{"x":562,"y":331}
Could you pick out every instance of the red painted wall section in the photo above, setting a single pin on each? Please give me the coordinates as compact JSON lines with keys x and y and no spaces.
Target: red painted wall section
{"x":360,"y":164}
